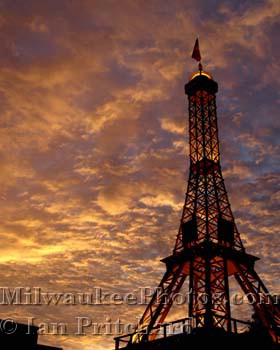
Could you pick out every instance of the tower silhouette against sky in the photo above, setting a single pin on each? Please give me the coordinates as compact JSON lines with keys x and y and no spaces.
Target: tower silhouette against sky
{"x":208,"y":248}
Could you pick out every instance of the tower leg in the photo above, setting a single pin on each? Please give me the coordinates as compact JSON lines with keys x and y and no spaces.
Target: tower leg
{"x":160,"y":303}
{"x":267,"y":311}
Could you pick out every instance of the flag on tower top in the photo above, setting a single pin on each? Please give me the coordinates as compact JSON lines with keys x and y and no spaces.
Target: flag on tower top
{"x":196,"y":52}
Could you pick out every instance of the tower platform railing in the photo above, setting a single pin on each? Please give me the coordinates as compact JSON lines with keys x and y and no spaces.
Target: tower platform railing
{"x":165,"y":330}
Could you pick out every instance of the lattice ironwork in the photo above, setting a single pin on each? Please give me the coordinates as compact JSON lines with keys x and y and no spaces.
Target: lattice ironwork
{"x":266,"y":309}
{"x":208,"y":246}
{"x":206,"y":196}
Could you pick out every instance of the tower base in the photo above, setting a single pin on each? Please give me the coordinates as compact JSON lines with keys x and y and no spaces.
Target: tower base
{"x":201,"y":340}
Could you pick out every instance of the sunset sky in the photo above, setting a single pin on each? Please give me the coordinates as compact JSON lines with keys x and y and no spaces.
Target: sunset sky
{"x":94,"y":142}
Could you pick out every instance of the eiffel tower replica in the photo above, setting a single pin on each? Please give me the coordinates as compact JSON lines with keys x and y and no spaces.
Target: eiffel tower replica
{"x":208,"y":250}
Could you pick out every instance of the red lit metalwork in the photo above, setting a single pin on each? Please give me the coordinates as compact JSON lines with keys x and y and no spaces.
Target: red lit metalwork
{"x":208,"y":247}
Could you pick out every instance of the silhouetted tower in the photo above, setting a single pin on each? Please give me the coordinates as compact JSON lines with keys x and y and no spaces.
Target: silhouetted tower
{"x":208,"y":247}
